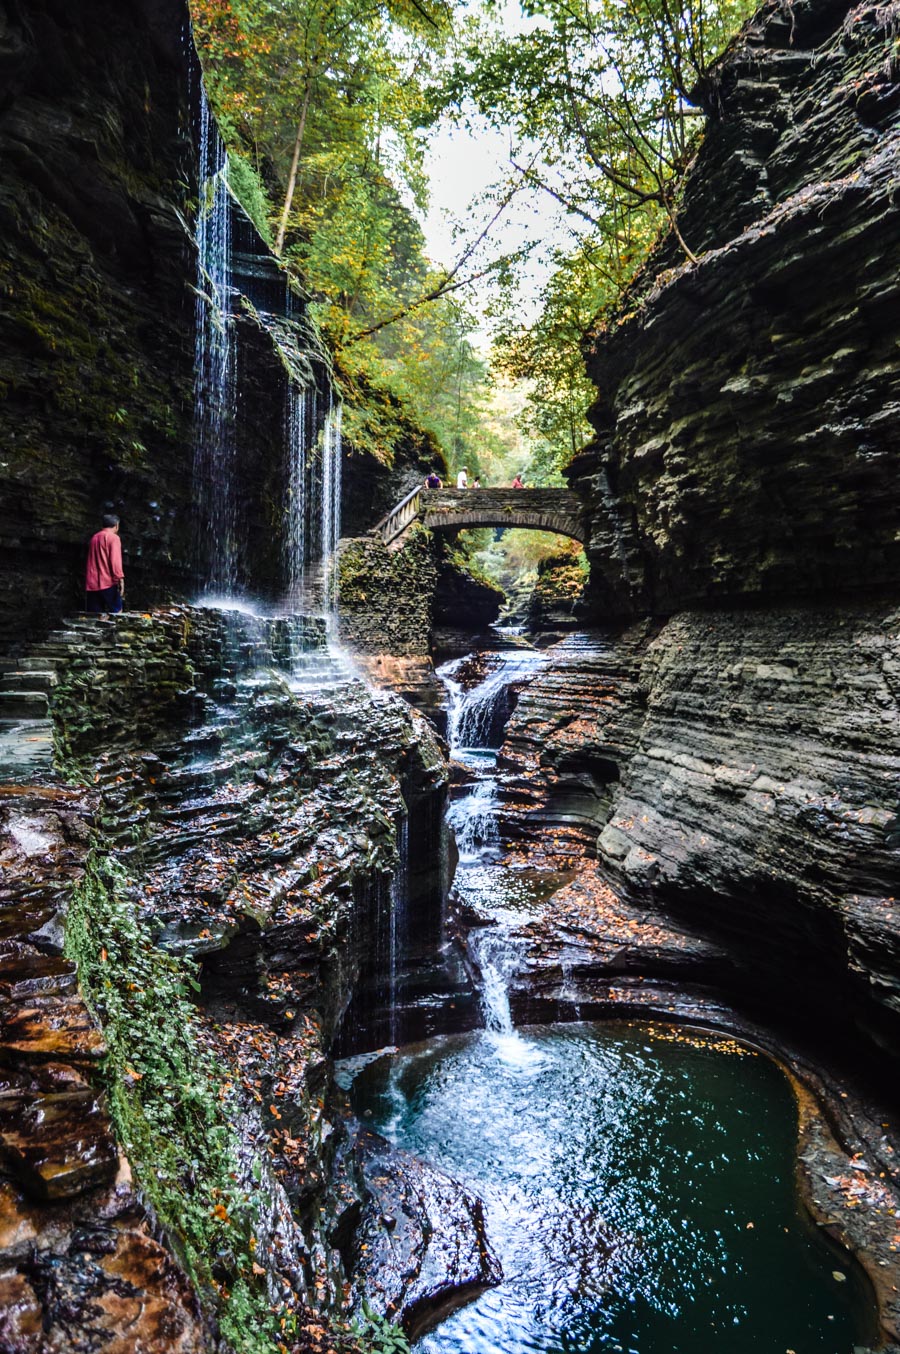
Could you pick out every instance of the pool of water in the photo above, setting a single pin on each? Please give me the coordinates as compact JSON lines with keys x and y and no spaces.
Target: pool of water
{"x":639,"y":1190}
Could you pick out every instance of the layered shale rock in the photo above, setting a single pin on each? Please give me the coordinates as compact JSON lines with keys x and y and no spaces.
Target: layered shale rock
{"x":418,"y":1227}
{"x":238,"y":838}
{"x":748,"y":402}
{"x":736,"y":767}
{"x":99,"y":123}
{"x":79,"y":1263}
{"x":738,"y":771}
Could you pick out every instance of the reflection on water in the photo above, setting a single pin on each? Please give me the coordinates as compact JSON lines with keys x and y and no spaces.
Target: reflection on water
{"x":639,"y":1191}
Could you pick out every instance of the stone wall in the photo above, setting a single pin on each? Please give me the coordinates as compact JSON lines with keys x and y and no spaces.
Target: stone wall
{"x":386,"y":596}
{"x":404,"y":609}
{"x":748,"y":403}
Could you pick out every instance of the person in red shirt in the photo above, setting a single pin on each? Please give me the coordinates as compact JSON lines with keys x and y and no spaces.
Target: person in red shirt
{"x":104,"y":579}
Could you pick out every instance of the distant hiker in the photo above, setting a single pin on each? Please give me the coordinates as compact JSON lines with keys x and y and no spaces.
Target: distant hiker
{"x":462,"y":479}
{"x":518,"y":483}
{"x":476,"y":483}
{"x":104,"y":579}
{"x":433,"y":481}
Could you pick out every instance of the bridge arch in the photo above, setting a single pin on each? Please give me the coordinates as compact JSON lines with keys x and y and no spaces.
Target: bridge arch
{"x":556,"y":510}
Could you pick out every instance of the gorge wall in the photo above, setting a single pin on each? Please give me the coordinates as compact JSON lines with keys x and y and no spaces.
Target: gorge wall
{"x":220,"y":874}
{"x":730,"y":747}
{"x":746,"y":422}
{"x":100,"y":126}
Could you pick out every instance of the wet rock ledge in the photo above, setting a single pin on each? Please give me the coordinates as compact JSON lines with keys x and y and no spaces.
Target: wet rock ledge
{"x":212,"y":868}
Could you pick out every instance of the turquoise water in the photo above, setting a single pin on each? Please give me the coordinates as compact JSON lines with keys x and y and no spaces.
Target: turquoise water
{"x":639,"y":1191}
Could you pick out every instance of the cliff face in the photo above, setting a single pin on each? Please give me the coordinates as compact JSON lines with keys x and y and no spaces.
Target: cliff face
{"x":748,"y":402}
{"x":99,"y":125}
{"x":738,"y":773}
{"x":96,"y":335}
{"x":735,"y":765}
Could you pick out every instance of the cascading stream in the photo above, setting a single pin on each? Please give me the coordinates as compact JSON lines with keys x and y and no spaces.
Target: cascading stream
{"x":399,"y":899}
{"x":477,"y":716}
{"x":474,"y":822}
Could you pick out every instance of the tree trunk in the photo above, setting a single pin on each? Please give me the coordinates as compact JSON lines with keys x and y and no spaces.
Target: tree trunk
{"x":292,"y":177}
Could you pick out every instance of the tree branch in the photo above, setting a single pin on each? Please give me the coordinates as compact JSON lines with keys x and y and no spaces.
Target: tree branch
{"x":444,"y":288}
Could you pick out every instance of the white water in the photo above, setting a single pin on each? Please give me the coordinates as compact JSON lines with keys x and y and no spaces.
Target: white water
{"x":474,"y":818}
{"x":330,"y":511}
{"x":214,"y":384}
{"x":471,"y":713}
{"x":313,"y":443}
{"x":474,"y":822}
{"x":313,"y":510}
{"x":300,"y":428}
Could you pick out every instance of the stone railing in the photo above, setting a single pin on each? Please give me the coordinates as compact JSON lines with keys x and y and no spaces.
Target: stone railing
{"x":399,"y":518}
{"x":557,"y":510}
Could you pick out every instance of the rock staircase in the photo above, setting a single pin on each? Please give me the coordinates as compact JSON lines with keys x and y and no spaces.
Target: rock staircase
{"x":26,"y":685}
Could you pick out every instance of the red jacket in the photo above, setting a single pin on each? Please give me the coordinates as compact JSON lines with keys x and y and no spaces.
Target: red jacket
{"x":104,"y":561}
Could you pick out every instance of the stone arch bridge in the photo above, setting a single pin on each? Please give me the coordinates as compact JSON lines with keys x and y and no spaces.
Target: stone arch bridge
{"x":557,"y":510}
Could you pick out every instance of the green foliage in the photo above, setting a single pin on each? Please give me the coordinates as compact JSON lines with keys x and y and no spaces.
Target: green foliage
{"x":516,"y":559}
{"x":168,"y":1103}
{"x":250,"y":192}
{"x":604,"y":103}
{"x":325,"y":105}
{"x":377,"y":1334}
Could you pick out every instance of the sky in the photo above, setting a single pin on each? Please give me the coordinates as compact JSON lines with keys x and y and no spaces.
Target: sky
{"x":461,"y":165}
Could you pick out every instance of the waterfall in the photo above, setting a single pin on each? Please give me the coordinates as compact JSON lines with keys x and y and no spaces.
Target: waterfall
{"x":214,"y":368}
{"x":302,"y":408}
{"x":499,"y":963}
{"x":313,"y":526}
{"x":330,"y":507}
{"x":477,"y":717}
{"x":474,"y":822}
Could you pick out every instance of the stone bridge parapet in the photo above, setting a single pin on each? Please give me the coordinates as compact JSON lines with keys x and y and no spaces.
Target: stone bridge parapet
{"x":557,"y":510}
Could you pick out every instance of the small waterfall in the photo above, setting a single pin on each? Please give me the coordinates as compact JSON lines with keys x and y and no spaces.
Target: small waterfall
{"x":214,"y":367}
{"x":330,"y":507}
{"x":302,"y":408}
{"x":499,"y":959}
{"x":474,"y":822}
{"x":398,"y":901}
{"x":477,"y":717}
{"x":499,"y":963}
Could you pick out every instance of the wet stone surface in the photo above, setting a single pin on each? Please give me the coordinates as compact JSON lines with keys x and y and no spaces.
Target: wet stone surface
{"x":250,"y":788}
{"x":421,"y":1245}
{"x":79,"y":1271}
